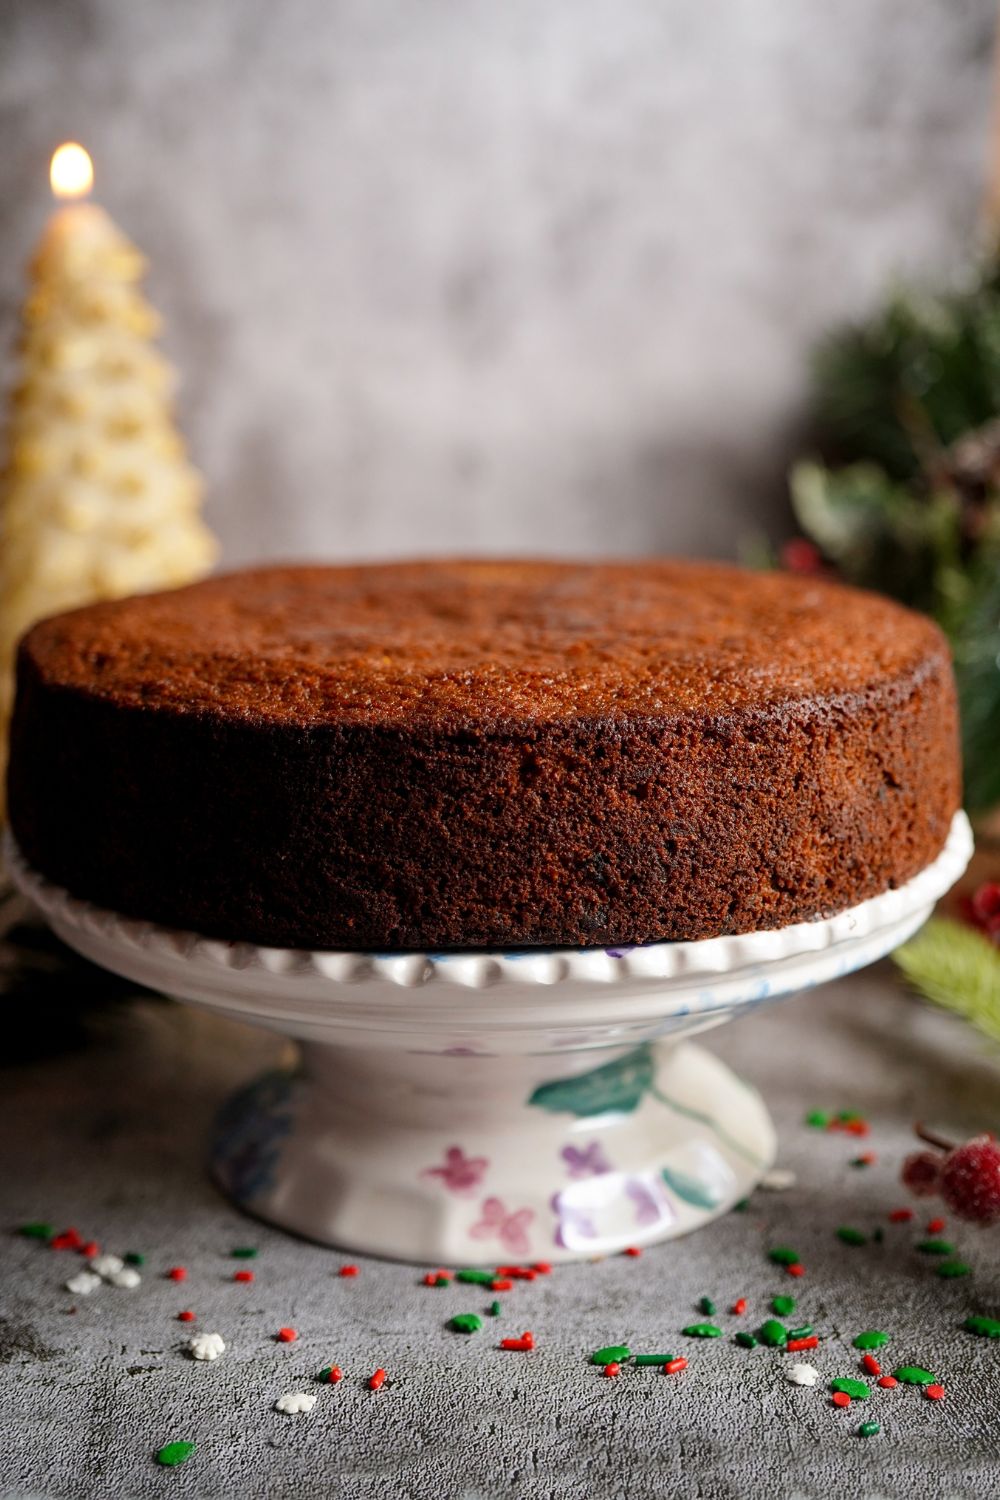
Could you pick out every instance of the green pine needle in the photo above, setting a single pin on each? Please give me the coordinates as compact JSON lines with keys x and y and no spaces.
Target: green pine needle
{"x":958,"y":968}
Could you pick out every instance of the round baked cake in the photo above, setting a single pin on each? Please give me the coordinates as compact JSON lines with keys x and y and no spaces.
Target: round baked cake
{"x":443,"y":755}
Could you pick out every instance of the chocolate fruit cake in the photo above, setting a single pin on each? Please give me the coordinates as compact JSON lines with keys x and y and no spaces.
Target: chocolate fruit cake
{"x":440,"y":755}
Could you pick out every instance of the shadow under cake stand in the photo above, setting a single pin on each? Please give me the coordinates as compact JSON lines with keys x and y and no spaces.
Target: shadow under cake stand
{"x":456,"y":1108}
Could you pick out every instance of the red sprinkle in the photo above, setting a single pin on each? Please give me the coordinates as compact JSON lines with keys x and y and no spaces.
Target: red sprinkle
{"x":888,"y":1382}
{"x":674,"y":1366}
{"x":286,"y":1335}
{"x":739,"y":1307}
{"x":856,"y":1127}
{"x":177,"y":1273}
{"x":872,"y":1365}
{"x":335,"y":1373}
{"x":935,"y":1226}
{"x":867,"y":1158}
{"x":810,"y":1342}
{"x":934,"y":1392}
{"x":90,"y":1249}
{"x":70,"y":1239}
{"x":430,"y":1279}
{"x":376,"y":1381}
{"x":243,"y":1276}
{"x":632,"y":1250}
{"x":612,"y":1369}
{"x":185,"y":1317}
{"x":503,"y":1285}
{"x":519,"y":1273}
{"x":795,"y":1269}
{"x":526,"y":1341}
{"x":348,"y":1271}
{"x":901,"y":1216}
{"x":840,"y":1398}
{"x":542,"y":1267}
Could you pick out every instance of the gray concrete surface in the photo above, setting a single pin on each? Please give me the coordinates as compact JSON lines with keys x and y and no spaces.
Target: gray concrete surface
{"x":469,"y":275}
{"x":107,"y":1100}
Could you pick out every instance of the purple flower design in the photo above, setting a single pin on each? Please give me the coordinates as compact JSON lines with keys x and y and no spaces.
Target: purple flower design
{"x":589,"y":1162}
{"x":510,"y":1228}
{"x":647,"y":1210}
{"x":459,"y":1173}
{"x":574,"y":1223}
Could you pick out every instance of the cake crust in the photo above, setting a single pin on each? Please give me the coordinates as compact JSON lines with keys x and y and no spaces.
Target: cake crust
{"x":484,"y":754}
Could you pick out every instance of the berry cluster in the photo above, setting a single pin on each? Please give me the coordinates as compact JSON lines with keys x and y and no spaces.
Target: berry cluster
{"x":967,"y":1177}
{"x":982,"y":909}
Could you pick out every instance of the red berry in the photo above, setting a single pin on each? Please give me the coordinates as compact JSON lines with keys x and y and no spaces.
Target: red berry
{"x":922,"y":1173}
{"x":970,"y":1180}
{"x":799,"y":555}
{"x":985,"y":902}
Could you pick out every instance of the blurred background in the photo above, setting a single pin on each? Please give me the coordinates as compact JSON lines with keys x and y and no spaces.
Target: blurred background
{"x":502,"y":277}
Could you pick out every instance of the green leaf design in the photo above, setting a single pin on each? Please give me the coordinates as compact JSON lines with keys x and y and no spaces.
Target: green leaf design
{"x":955,"y":966}
{"x":693,"y":1190}
{"x":615,"y":1087}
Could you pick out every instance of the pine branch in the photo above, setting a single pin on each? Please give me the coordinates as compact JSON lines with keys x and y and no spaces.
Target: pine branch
{"x":957,"y":968}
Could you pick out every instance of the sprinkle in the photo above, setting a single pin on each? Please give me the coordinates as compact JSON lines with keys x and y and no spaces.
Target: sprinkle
{"x":800,"y":1333}
{"x":872,"y":1338}
{"x":632,"y":1250}
{"x":612,"y":1369}
{"x":611,"y":1354}
{"x":888,"y":1383}
{"x":742,"y":1206}
{"x":935,"y":1247}
{"x":706,"y":1305}
{"x":857,"y":1127}
{"x":783,"y":1305}
{"x":818,"y":1119}
{"x":466,"y":1323}
{"x":206,"y":1346}
{"x":244,"y":1252}
{"x":856,"y":1389}
{"x":128,"y":1278}
{"x":796,"y":1269}
{"x":434,"y":1278}
{"x":746,"y":1340}
{"x":901,"y":1216}
{"x":542,"y":1267}
{"x":878,"y":1235}
{"x":133,"y":1258}
{"x":177,"y":1273}
{"x":952,"y":1268}
{"x":527,"y":1341}
{"x":863,"y":1161}
{"x":477,"y":1278}
{"x":376,"y":1381}
{"x":503,"y":1285}
{"x":652,"y":1359}
{"x":293,"y":1402}
{"x":840,"y":1398}
{"x":90,"y":1249}
{"x":778,"y":1180}
{"x":702,"y":1331}
{"x":106,"y":1265}
{"x":37,"y":1230}
{"x":243,"y":1276}
{"x":739,"y":1307}
{"x":773,"y":1333}
{"x":83,"y":1284}
{"x":984,"y":1328}
{"x":808,"y":1341}
{"x":674,"y":1366}
{"x":849,"y":1236}
{"x":936,"y":1226}
{"x":286,"y":1335}
{"x":331,"y":1375}
{"x":172,"y":1454}
{"x":781,"y":1255}
{"x":934,"y":1392}
{"x":869,"y":1429}
{"x":914,"y":1375}
{"x":70,"y":1239}
{"x":871,"y":1364}
{"x":803,"y":1374}
{"x":185,"y":1317}
{"x":348,"y":1271}
{"x":494,"y":1309}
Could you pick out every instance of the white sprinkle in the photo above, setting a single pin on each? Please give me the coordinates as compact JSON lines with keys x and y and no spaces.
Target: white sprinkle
{"x":803,"y":1374}
{"x":778,"y":1179}
{"x":128,"y":1277}
{"x":83,"y":1283}
{"x":206,"y":1346}
{"x":107,"y":1265}
{"x":293,"y":1402}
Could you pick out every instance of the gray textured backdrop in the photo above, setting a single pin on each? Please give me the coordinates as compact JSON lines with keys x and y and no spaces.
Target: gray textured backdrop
{"x":531,"y":274}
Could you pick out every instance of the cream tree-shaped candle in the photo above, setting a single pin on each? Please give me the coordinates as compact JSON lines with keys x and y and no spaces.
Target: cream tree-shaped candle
{"x":97,"y":496}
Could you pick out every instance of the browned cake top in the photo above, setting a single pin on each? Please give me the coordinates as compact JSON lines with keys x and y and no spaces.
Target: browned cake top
{"x":510,"y":641}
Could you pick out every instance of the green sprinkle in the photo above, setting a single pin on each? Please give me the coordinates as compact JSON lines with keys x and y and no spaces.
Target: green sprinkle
{"x":477,"y":1278}
{"x":818,"y":1119}
{"x":244,"y":1252}
{"x":868,"y":1429}
{"x":783,"y":1306}
{"x":466,"y":1323}
{"x":324,"y":1374}
{"x":860,"y":1161}
{"x":773,"y":1333}
{"x":856,"y":1389}
{"x":984,"y":1328}
{"x":878,"y":1235}
{"x":846,"y":1115}
{"x":783,"y":1256}
{"x":746,"y":1340}
{"x":914,"y":1375}
{"x":950,"y":1268}
{"x":442,"y":1281}
{"x":172,"y":1454}
{"x":37,"y":1231}
{"x":804,"y":1332}
{"x":851,"y":1236}
{"x":702,"y":1331}
{"x":611,"y":1354}
{"x":742,"y":1206}
{"x":935,"y":1247}
{"x":707,"y":1306}
{"x":872,"y":1338}
{"x":494,"y":1309}
{"x":133,"y":1258}
{"x":652,"y":1359}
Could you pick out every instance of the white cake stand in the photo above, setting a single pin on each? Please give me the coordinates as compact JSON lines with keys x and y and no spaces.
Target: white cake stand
{"x":456,"y":1108}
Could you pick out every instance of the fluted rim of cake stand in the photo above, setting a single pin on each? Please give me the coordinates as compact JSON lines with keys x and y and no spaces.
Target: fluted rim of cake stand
{"x":481,"y":969}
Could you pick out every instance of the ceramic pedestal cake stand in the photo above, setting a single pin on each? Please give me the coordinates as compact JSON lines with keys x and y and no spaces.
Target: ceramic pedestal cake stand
{"x":493,"y":1107}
